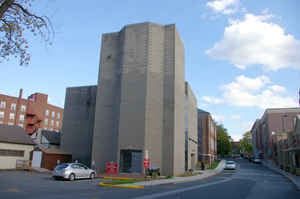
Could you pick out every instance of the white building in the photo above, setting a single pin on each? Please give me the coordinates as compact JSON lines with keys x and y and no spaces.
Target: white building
{"x":15,"y":146}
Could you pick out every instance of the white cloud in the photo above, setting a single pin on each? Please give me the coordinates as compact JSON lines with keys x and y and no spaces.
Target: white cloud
{"x":224,"y":6}
{"x":277,"y":88}
{"x":252,"y":92}
{"x":239,"y":93}
{"x":256,"y":40}
{"x":246,"y":83}
{"x":203,"y":105}
{"x":236,"y":117}
{"x":212,"y":100}
{"x":218,"y":118}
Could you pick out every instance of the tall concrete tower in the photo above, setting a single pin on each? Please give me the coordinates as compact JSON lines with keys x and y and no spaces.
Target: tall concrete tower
{"x":140,"y":100}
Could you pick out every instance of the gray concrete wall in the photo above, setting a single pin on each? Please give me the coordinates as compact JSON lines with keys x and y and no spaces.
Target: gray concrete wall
{"x":179,"y":105}
{"x":140,"y":96}
{"x":192,"y":127}
{"x":78,"y":122}
{"x":105,"y":141}
{"x":168,"y":102}
{"x":133,"y":87}
{"x":174,"y":123}
{"x":154,"y":99}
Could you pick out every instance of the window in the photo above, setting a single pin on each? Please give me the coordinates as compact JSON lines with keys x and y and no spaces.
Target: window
{"x":15,"y":153}
{"x":52,"y":123}
{"x":1,"y":114}
{"x":3,"y":104}
{"x":13,"y":107}
{"x":53,"y":114}
{"x":47,"y":112}
{"x":58,"y":115}
{"x":57,"y":123}
{"x":11,"y":116}
{"x":46,"y":121}
{"x":23,"y":108}
{"x":20,"y":125}
{"x":10,"y":123}
{"x":22,"y":117}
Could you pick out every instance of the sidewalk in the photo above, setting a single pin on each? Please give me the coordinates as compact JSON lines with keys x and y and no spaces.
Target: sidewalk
{"x":295,"y":179}
{"x":202,"y":175}
{"x":41,"y":170}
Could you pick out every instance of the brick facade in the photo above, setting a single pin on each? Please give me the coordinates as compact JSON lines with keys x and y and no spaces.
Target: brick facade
{"x":31,"y":113}
{"x":207,"y":137}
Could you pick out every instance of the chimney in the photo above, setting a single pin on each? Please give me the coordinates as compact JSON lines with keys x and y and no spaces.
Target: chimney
{"x":18,"y":106}
{"x":21,"y":93}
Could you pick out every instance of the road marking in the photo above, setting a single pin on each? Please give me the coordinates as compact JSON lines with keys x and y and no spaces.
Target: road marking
{"x":157,"y":195}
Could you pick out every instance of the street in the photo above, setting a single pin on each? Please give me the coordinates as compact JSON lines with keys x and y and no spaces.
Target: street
{"x":249,"y":181}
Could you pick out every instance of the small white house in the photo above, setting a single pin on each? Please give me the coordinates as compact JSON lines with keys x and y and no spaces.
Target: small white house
{"x":15,"y":146}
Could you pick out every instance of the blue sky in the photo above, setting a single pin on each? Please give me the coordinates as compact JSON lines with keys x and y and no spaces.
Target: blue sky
{"x":241,"y":56}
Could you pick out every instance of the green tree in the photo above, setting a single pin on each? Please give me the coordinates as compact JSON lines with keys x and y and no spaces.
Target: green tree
{"x":17,"y":19}
{"x":223,"y":141}
{"x":246,"y":142}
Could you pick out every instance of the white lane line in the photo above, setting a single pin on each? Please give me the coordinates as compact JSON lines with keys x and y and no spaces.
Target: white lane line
{"x":157,"y":195}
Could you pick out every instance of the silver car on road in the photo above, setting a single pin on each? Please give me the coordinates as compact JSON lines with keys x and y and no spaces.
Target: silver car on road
{"x":230,"y":165}
{"x":73,"y":171}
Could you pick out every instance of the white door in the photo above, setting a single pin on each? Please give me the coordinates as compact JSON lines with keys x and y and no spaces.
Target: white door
{"x":37,"y":159}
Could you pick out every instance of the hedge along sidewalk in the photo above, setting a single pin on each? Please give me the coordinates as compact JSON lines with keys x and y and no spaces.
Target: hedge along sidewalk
{"x":293,"y":178}
{"x":203,"y":175}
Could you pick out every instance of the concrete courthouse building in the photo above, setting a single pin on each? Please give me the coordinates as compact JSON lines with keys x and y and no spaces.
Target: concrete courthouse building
{"x":140,"y":106}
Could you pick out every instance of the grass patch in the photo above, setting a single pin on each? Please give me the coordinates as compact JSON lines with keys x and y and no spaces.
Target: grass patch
{"x":214,"y":164}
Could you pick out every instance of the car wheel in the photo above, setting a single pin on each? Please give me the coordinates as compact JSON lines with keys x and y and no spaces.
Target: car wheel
{"x":92,"y":175}
{"x":72,"y":177}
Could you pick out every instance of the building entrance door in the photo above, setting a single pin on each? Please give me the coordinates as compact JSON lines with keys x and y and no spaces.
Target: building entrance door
{"x":131,"y":161}
{"x":36,"y":159}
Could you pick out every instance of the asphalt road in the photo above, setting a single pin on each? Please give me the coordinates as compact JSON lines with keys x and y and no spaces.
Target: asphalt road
{"x":249,"y":181}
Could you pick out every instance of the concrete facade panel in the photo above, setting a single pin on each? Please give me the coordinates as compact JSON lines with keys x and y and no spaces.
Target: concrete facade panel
{"x":77,"y":130}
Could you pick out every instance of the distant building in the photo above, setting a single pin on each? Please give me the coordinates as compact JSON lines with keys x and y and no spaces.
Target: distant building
{"x":15,"y":147}
{"x":47,"y":139}
{"x":265,"y":131}
{"x":31,"y":114}
{"x":137,"y":110}
{"x":235,"y":147}
{"x":207,"y":137}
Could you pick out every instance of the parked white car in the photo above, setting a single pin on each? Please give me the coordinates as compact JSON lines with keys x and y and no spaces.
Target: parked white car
{"x":73,"y":171}
{"x":257,"y":161}
{"x":230,"y":165}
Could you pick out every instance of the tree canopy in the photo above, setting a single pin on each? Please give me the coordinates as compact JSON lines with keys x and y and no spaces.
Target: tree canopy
{"x":16,"y":18}
{"x":246,"y":142}
{"x":223,"y":141}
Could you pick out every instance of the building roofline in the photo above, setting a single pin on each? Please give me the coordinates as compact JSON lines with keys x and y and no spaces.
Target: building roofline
{"x":11,"y":142}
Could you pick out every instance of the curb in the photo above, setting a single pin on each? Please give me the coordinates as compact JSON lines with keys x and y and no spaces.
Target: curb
{"x":101,"y":184}
{"x":284,"y":174}
{"x":214,"y":172}
{"x":117,"y":178}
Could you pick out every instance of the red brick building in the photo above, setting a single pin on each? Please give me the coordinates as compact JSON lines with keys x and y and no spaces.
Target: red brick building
{"x":31,"y":113}
{"x":207,"y":137}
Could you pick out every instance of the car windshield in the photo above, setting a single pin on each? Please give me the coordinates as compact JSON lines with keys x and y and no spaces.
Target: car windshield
{"x":229,"y":162}
{"x":62,"y":166}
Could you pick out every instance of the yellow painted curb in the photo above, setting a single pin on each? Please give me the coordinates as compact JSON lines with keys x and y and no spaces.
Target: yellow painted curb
{"x":116,"y":178}
{"x":121,"y":186}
